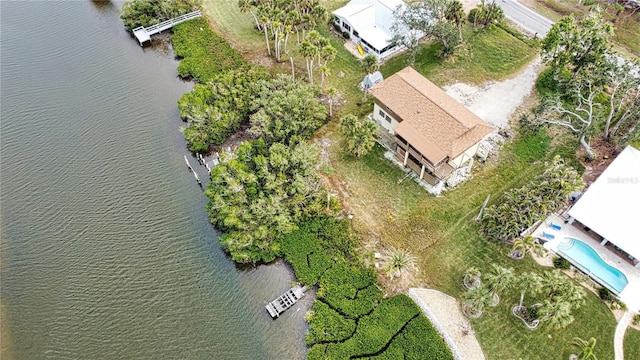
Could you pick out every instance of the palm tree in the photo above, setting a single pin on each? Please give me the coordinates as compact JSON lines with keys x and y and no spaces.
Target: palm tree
{"x":527,"y":283}
{"x":558,"y":287}
{"x":332,"y":94}
{"x":586,"y":348}
{"x":557,"y":314}
{"x":247,"y":6}
{"x":324,"y":72}
{"x":399,"y":262}
{"x":522,"y":245}
{"x":475,"y":301}
{"x":471,"y":278}
{"x":265,"y":26}
{"x":499,"y":280}
{"x":455,"y":13}
{"x":369,"y":65}
{"x":309,"y":51}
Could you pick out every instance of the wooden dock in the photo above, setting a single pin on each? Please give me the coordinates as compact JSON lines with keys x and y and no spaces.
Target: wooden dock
{"x":144,"y":34}
{"x":285,"y":301}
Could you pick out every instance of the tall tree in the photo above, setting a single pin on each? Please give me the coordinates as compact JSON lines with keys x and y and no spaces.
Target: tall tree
{"x":309,"y":51}
{"x":580,"y":114}
{"x":370,"y":65}
{"x":623,"y":90}
{"x":572,"y":45}
{"x":425,"y":18}
{"x":260,"y":193}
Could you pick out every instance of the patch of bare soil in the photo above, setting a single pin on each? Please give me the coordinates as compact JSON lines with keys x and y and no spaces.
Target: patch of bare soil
{"x":605,"y":151}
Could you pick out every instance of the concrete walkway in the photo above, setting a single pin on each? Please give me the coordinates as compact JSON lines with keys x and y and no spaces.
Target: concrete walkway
{"x":619,"y":335}
{"x":444,"y":313}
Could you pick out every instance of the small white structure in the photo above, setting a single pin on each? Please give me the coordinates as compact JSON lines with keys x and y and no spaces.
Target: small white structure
{"x":368,"y":23}
{"x":370,"y":80}
{"x":609,"y":206}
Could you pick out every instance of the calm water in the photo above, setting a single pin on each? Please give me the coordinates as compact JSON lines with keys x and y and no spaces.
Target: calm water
{"x":106,"y":251}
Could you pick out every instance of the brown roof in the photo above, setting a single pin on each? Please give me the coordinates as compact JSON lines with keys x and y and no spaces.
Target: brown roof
{"x":434,"y":123}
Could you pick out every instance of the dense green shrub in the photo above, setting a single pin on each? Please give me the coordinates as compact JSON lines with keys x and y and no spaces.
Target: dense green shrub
{"x":216,"y":109}
{"x":286,"y":110}
{"x":561,"y":263}
{"x":352,"y":290}
{"x":316,"y":246}
{"x":203,"y":53}
{"x":308,"y":258}
{"x":605,"y":294}
{"x":520,"y":208}
{"x":327,"y":325}
{"x":261,"y":193}
{"x":145,"y":13}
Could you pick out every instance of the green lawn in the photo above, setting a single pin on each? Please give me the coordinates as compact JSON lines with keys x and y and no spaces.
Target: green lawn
{"x":632,"y":344}
{"x":488,"y":54}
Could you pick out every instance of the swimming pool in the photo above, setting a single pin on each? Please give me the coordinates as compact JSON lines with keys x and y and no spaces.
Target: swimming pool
{"x":588,"y":260}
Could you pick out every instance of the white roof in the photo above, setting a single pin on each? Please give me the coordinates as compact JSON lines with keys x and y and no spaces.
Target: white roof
{"x":610,"y":205}
{"x":372,"y":19}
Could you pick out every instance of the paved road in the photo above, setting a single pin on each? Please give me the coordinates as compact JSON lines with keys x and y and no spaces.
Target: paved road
{"x":528,"y":19}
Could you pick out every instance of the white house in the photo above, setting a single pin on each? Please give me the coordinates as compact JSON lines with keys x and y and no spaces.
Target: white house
{"x":607,"y":207}
{"x":368,"y":23}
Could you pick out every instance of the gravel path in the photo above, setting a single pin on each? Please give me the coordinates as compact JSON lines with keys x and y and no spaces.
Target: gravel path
{"x":495,"y":102}
{"x":444,"y":313}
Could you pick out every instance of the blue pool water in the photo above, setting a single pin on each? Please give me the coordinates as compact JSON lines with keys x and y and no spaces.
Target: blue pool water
{"x":583,"y":255}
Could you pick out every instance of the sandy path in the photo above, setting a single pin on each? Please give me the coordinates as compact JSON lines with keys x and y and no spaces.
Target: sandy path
{"x":444,"y":313}
{"x":619,"y":335}
{"x":495,"y":102}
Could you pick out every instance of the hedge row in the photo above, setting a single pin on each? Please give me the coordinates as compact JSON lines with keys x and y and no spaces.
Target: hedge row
{"x":327,"y":325}
{"x":350,"y":289}
{"x":394,"y":330}
{"x":419,"y":340}
{"x":316,"y":246}
{"x":204,"y":54}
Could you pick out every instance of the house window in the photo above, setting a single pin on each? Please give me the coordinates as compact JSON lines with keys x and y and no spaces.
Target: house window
{"x":355,"y":33}
{"x":381,"y":113}
{"x":346,"y":26}
{"x":388,"y":118}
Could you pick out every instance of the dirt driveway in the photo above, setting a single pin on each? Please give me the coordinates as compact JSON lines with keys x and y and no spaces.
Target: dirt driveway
{"x":496,"y":101}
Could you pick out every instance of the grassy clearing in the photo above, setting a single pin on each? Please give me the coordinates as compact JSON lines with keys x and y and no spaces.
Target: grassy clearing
{"x":632,"y":344}
{"x":488,"y":54}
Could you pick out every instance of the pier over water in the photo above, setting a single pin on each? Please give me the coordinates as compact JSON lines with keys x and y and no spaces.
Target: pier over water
{"x":144,"y":34}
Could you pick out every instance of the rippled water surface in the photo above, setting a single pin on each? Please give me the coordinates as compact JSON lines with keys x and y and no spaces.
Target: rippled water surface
{"x":106,"y":251}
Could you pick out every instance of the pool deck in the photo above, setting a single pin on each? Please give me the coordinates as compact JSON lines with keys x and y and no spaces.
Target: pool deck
{"x":630,"y":295}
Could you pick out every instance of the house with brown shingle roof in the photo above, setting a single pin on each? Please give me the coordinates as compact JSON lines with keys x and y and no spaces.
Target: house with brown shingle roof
{"x":434,"y":134}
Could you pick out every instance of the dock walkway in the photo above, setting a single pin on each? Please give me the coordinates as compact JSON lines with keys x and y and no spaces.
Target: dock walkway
{"x":285,"y":301}
{"x":144,"y":34}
